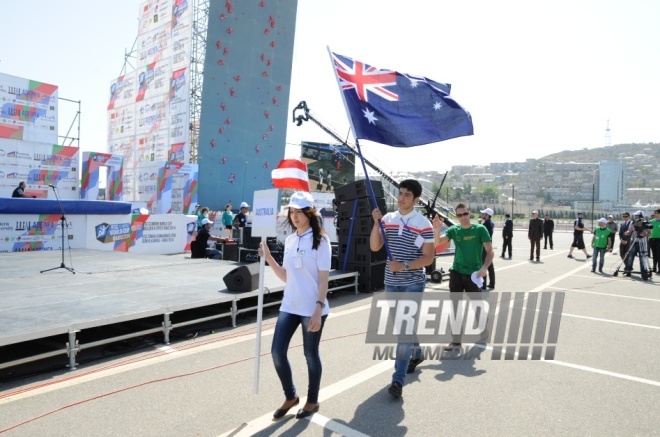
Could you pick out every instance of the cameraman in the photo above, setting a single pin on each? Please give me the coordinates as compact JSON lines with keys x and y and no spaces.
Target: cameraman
{"x":637,"y":244}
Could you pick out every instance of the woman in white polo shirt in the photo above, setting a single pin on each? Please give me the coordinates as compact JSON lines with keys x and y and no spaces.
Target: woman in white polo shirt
{"x":305,"y":269}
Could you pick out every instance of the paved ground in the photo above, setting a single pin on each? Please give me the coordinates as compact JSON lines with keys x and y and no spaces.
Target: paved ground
{"x":605,"y":379}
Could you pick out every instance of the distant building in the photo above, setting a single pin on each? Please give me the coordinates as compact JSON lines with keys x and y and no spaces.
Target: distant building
{"x":611,"y":181}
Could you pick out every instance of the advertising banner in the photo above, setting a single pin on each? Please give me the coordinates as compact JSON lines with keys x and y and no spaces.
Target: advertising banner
{"x":153,"y":14}
{"x":92,"y":162}
{"x":122,"y":91}
{"x":32,"y":232}
{"x":28,"y":110}
{"x":38,"y":165}
{"x":153,"y":234}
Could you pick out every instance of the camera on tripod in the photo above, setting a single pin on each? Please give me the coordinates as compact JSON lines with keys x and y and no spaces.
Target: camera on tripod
{"x":641,"y":225}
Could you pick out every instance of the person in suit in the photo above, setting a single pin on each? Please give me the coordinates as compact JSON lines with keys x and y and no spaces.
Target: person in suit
{"x":624,"y":236}
{"x":534,"y":234}
{"x":507,"y":235}
{"x":548,"y":229}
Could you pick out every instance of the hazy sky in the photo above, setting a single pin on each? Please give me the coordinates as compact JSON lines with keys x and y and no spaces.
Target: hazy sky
{"x":538,"y":77}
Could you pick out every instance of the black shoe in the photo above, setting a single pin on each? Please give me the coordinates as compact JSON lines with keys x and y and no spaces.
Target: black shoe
{"x":531,"y":259}
{"x":569,"y":256}
{"x":395,"y":389}
{"x":280,"y":412}
{"x":545,"y":248}
{"x":302,"y":413}
{"x":451,"y":346}
{"x":600,"y":270}
{"x":626,"y":274}
{"x":414,"y":363}
{"x":492,"y":286}
{"x":593,"y":271}
{"x":538,"y":260}
{"x":588,"y":256}
{"x":483,"y":287}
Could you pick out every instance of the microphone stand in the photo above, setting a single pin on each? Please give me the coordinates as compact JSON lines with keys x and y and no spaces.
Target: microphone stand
{"x":63,"y":220}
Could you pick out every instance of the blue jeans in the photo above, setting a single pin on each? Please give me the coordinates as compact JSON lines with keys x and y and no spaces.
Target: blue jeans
{"x":598,"y":251}
{"x":213,"y":253}
{"x":630,"y":258}
{"x":404,"y":350}
{"x":284,"y":329}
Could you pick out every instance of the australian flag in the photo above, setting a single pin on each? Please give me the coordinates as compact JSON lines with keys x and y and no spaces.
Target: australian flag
{"x":398,"y":109}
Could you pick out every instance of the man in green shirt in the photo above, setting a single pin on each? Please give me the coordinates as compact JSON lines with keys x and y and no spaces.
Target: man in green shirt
{"x":470,"y":240}
{"x":601,"y":244}
{"x":654,"y":241}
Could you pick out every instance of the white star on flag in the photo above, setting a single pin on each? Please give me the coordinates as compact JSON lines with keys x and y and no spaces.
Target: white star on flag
{"x":437,"y":105}
{"x":369,"y":115}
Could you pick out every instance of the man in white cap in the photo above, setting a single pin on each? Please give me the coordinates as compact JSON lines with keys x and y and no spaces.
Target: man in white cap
{"x":614,"y":227}
{"x":201,"y":248}
{"x":241,"y":217}
{"x":601,"y":243}
{"x":486,"y":215}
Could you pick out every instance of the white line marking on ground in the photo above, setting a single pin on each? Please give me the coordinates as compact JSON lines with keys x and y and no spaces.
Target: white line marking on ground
{"x":604,"y":372}
{"x":605,"y":294}
{"x":609,"y":321}
{"x":336,"y":427}
{"x":263,"y":422}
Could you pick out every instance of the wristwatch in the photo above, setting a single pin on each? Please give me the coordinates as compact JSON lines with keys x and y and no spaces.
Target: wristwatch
{"x":321,"y":303}
{"x":406,"y":265}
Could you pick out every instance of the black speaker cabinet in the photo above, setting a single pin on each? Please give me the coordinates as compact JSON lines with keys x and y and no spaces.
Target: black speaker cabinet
{"x":357,"y":190}
{"x":243,"y":278}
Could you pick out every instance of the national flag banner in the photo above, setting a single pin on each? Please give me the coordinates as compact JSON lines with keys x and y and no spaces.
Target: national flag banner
{"x":291,"y":173}
{"x":398,"y":109}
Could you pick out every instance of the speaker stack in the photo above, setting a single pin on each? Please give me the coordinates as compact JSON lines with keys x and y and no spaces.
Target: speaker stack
{"x":354,"y":224}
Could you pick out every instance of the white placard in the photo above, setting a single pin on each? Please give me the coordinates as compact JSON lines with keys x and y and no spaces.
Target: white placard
{"x":264,"y":213}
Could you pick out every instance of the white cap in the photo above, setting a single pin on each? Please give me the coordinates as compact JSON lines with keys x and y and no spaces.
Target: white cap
{"x":602,"y":220}
{"x":639,"y":213}
{"x":610,"y":216}
{"x":487,"y":211}
{"x":300,"y":200}
{"x":244,"y":205}
{"x":205,"y":221}
{"x":535,"y":212}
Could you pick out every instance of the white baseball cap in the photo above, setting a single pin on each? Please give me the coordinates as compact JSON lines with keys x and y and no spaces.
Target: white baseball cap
{"x":244,"y":205}
{"x":300,"y":200}
{"x":640,"y":213}
{"x":487,"y":211}
{"x":610,"y":216}
{"x":602,"y":220}
{"x":205,"y":221}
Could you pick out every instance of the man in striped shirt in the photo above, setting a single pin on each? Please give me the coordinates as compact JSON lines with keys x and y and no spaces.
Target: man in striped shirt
{"x":410,"y":240}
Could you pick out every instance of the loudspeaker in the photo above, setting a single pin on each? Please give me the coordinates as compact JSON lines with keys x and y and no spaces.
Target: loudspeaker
{"x":361,"y":208}
{"x":357,"y":190}
{"x":243,"y":278}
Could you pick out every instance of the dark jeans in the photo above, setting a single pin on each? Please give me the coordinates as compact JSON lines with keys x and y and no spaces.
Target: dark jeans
{"x":547,"y":237}
{"x":404,"y":350}
{"x":623,"y":248}
{"x":284,"y":329}
{"x":598,"y":251}
{"x":459,"y":283}
{"x":535,"y":242}
{"x":213,"y":253}
{"x":630,"y":258}
{"x":507,"y":245}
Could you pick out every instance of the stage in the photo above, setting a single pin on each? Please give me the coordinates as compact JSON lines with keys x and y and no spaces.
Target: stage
{"x":110,"y":288}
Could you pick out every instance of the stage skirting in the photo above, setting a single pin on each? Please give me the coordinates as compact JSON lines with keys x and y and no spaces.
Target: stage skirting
{"x":35,"y":224}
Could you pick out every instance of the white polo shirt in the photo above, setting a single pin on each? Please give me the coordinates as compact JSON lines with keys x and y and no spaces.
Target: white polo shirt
{"x":302,"y":266}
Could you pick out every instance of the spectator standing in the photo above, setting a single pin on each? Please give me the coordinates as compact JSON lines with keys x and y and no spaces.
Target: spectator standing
{"x":535,"y":233}
{"x":614,"y":227}
{"x":548,"y":229}
{"x":601,"y":243}
{"x":624,"y":235}
{"x":507,"y":235}
{"x":228,"y":220}
{"x":486,"y":215}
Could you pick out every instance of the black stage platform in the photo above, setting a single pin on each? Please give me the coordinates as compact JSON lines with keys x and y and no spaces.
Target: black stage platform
{"x":114,"y":287}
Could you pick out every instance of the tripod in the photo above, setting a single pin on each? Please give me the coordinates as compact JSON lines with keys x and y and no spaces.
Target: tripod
{"x":63,"y":220}
{"x":642,"y":251}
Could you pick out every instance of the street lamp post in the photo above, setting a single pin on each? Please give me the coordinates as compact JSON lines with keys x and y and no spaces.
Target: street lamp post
{"x":513,"y":189}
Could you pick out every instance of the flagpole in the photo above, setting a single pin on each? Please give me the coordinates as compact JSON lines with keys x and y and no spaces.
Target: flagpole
{"x":373,"y":201}
{"x":260,"y":309}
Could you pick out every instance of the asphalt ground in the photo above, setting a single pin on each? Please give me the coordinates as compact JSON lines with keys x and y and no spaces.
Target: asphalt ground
{"x":604,"y":380}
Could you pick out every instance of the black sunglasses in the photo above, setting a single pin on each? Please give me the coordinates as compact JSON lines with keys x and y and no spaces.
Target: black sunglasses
{"x":463,"y":214}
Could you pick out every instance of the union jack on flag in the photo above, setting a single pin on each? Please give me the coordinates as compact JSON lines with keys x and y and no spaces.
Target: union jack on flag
{"x":398,"y":109}
{"x":362,"y":77}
